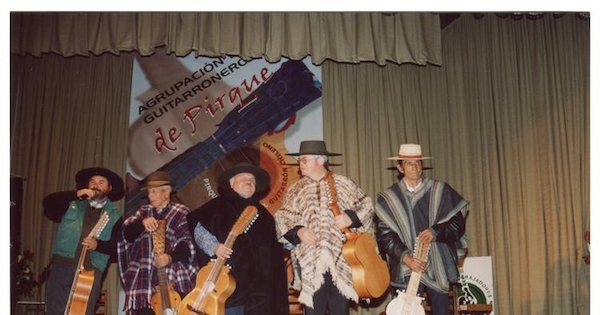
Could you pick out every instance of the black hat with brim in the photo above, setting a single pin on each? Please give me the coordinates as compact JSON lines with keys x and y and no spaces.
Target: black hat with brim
{"x":313,"y":147}
{"x":118,"y":187}
{"x":263,"y":179}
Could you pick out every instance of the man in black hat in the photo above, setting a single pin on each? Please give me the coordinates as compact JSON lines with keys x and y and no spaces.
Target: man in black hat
{"x":306,"y":220}
{"x":257,"y":259}
{"x":137,"y":263}
{"x":78,"y":212}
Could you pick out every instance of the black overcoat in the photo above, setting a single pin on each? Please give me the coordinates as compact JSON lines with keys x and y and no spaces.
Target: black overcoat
{"x":257,"y":261}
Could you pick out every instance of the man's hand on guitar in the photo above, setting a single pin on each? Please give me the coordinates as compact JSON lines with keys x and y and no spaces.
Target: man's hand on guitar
{"x":163,"y":260}
{"x":426,"y":236}
{"x":223,"y":251}
{"x":342,"y":221}
{"x":414,"y":264}
{"x":90,"y":242}
{"x":150,"y":224}
{"x":307,"y":236}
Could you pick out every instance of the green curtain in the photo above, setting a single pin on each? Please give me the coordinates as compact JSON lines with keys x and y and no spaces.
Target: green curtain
{"x":340,"y":36}
{"x":506,"y":119}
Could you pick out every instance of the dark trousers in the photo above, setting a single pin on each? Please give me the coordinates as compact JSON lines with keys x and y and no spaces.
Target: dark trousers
{"x":440,"y":302}
{"x":58,"y":288}
{"x":328,"y":295}
{"x":235,"y":310}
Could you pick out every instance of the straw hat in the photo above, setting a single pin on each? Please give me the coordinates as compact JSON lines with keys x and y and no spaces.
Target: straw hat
{"x":157,"y":179}
{"x":409,"y":152}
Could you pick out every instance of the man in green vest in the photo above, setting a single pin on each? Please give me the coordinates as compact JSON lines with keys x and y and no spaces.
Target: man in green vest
{"x":78,"y":213}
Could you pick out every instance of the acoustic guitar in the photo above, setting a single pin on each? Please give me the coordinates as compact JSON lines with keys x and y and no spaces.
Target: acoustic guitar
{"x":166,"y":299}
{"x":84,"y":279}
{"x":370,"y":273}
{"x":214,"y":284}
{"x":408,"y":302}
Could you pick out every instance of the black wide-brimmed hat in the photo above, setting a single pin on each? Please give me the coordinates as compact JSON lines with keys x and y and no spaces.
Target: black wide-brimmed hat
{"x":263,"y":179}
{"x":118,"y":187}
{"x":313,"y":147}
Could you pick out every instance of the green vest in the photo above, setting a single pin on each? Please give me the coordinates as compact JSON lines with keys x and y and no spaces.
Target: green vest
{"x":69,"y":232}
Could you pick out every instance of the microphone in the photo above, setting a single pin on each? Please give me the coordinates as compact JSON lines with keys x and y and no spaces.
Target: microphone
{"x":86,"y":196}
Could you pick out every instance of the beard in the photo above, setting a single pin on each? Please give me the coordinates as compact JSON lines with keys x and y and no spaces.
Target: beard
{"x":100,"y":194}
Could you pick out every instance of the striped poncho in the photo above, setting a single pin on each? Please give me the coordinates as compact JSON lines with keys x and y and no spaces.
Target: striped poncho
{"x":406,"y":213}
{"x":307,"y":203}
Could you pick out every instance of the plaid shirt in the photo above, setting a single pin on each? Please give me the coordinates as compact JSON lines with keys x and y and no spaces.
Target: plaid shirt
{"x":136,"y":260}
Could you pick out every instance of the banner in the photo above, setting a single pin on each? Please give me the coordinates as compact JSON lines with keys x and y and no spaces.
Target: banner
{"x":196,"y":117}
{"x":476,"y":284}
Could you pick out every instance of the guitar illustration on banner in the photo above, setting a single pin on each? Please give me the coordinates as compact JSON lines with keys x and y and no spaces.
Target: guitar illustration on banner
{"x":289,"y":89}
{"x":214,"y":284}
{"x":408,"y":302}
{"x":166,"y":299}
{"x":370,"y":273}
{"x":84,"y":279}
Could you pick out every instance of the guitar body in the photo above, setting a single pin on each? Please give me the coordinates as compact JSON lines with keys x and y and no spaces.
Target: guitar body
{"x":405,"y":304}
{"x":83,"y":280}
{"x":204,"y":300}
{"x":81,"y":293}
{"x":370,"y":274}
{"x":173,"y":297}
{"x":408,"y":302}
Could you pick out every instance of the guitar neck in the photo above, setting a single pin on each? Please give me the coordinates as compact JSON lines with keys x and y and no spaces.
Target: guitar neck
{"x":80,"y":264}
{"x":163,"y":283}
{"x":421,"y":252}
{"x":413,"y":283}
{"x":334,"y":199}
{"x":220,"y":262}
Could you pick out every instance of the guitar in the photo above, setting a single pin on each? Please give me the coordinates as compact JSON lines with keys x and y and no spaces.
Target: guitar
{"x":84,"y":279}
{"x":166,"y":299}
{"x":408,"y":303}
{"x":214,"y":284}
{"x":370,"y":273}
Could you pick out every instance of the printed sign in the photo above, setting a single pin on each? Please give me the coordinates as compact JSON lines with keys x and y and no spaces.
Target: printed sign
{"x":476,"y":284}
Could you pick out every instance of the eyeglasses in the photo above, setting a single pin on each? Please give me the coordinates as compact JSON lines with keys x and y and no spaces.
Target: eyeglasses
{"x":305,"y":159}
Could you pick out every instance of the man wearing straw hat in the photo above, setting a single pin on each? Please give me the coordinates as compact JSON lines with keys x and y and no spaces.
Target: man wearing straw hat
{"x":137,"y":264}
{"x":307,"y":221}
{"x":421,"y":208}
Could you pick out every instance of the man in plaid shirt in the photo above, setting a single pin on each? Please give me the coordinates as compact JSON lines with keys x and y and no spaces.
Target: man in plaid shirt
{"x":137,"y":264}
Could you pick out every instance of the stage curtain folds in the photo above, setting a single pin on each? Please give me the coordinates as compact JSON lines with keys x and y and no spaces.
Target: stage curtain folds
{"x":66,"y":114}
{"x":507,"y":121}
{"x":350,"y":37}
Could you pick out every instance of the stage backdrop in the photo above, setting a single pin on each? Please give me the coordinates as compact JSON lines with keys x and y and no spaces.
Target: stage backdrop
{"x":196,"y":117}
